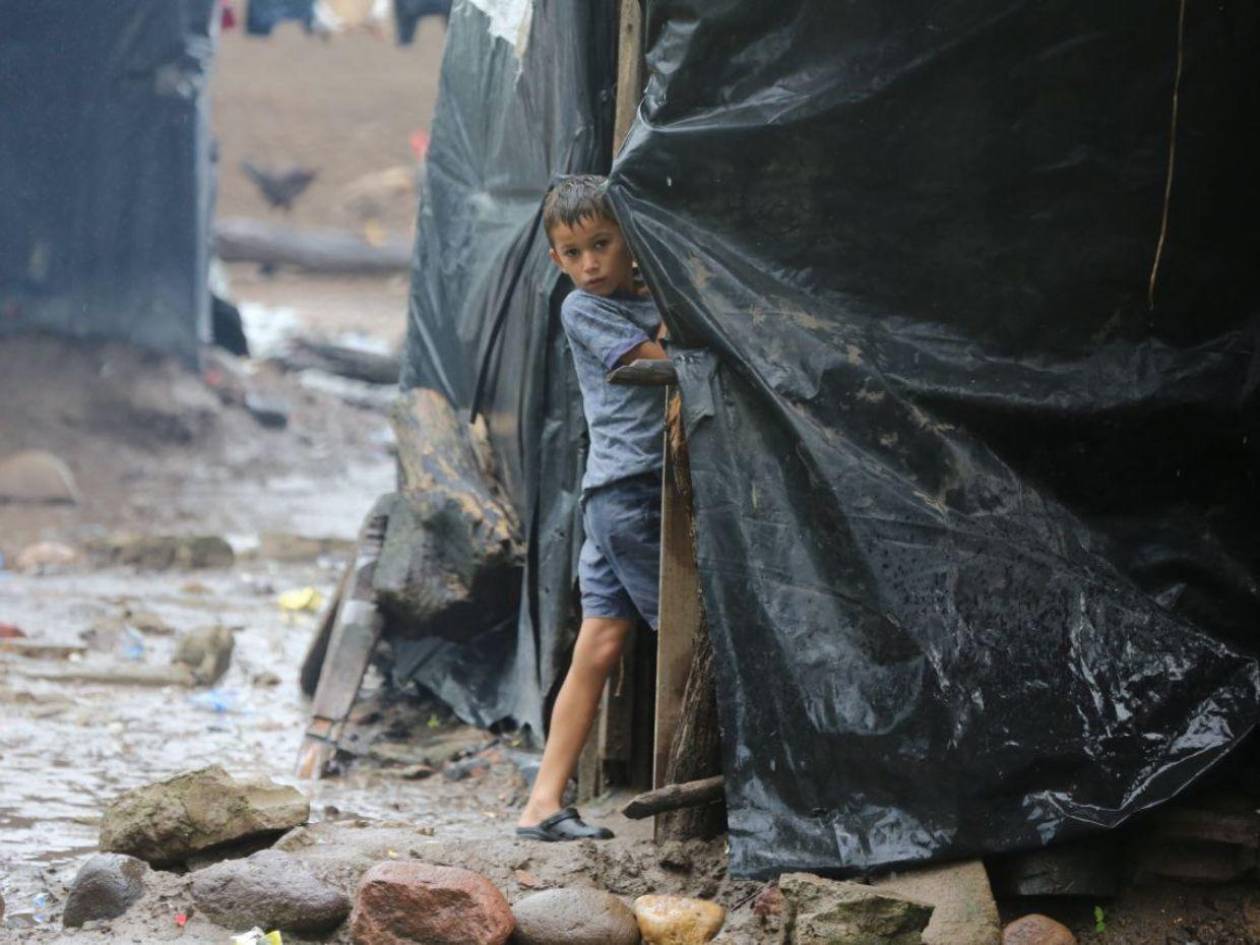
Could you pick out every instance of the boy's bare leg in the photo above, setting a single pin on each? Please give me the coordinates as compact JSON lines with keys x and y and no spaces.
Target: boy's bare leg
{"x":598,"y":647}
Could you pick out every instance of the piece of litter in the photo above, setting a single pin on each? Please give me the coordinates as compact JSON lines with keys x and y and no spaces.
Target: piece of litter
{"x":257,"y":936}
{"x":301,"y":599}
{"x":181,"y":919}
{"x":9,"y":632}
{"x":392,"y":854}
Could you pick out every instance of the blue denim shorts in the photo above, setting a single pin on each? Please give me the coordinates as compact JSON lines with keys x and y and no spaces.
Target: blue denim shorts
{"x":620,"y":569}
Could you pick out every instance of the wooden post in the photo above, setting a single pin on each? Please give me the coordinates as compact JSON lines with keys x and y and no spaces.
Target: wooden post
{"x":609,"y":754}
{"x":629,"y":70}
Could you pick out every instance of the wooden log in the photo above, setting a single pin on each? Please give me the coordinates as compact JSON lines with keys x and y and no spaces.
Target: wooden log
{"x":676,"y":797}
{"x":237,"y":239}
{"x":452,"y":559}
{"x":354,"y":363}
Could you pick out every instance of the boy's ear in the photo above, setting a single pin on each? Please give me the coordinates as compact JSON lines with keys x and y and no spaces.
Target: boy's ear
{"x":555,"y":257}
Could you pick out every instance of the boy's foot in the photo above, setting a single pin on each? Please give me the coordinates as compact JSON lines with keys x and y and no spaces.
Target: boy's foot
{"x":566,"y":824}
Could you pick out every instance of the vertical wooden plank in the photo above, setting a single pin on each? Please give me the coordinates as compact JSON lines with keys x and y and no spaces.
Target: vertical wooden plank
{"x":608,"y":756}
{"x":679,"y":615}
{"x":629,"y":70}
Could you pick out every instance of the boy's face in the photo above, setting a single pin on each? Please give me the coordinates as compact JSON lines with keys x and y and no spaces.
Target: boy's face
{"x":594,"y":255}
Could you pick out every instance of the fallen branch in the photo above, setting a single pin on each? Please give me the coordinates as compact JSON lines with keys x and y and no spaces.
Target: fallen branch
{"x":676,"y":797}
{"x":244,"y":240}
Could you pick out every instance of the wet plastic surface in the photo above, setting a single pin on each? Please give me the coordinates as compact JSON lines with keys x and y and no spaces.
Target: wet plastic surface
{"x":484,"y":324}
{"x":975,"y":493}
{"x":976,"y":518}
{"x":105,"y":174}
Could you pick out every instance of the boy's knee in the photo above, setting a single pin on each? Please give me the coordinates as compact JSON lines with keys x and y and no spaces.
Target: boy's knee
{"x":605,"y":638}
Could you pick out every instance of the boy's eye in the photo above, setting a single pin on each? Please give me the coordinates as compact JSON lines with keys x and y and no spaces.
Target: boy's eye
{"x":571,"y":253}
{"x":600,"y":244}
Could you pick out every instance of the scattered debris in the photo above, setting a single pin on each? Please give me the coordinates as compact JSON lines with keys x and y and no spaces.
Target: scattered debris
{"x":45,"y":557}
{"x":239,"y":239}
{"x":257,"y":936}
{"x":574,"y":917}
{"x":285,"y":546}
{"x":37,"y":650}
{"x":9,"y":631}
{"x":1089,"y":867}
{"x":271,"y":889}
{"x":37,"y":476}
{"x":404,"y":902}
{"x":167,"y":822}
{"x":301,"y":599}
{"x":207,"y":652}
{"x":270,"y":412}
{"x":163,"y":552}
{"x":676,"y":920}
{"x":106,"y":886}
{"x":354,"y":362}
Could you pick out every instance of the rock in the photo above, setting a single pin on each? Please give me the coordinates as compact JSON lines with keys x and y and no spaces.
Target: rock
{"x":1090,"y":867}
{"x":207,"y":652}
{"x":106,"y":886}
{"x":283,"y":546}
{"x":403,"y":903}
{"x":1037,"y":930}
{"x":149,"y":623}
{"x":270,"y":889}
{"x":674,"y":920}
{"x":269,"y":412}
{"x":46,"y":557}
{"x":824,"y":912}
{"x":167,"y":822}
{"x":36,"y":476}
{"x":1,"y":906}
{"x":964,"y":912}
{"x":574,"y":917}
{"x":161,"y":552}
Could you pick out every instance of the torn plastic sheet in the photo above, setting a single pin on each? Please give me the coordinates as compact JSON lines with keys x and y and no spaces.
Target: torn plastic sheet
{"x":975,"y":520}
{"x":105,"y":173}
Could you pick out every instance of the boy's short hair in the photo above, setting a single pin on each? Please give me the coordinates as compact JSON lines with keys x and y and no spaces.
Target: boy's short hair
{"x":575,"y":198}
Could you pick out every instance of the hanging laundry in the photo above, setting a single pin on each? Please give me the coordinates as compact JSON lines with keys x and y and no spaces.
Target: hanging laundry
{"x":264,"y":15}
{"x":409,"y":13}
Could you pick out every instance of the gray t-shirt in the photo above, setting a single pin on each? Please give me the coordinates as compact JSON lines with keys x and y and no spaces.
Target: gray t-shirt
{"x":626,"y":424}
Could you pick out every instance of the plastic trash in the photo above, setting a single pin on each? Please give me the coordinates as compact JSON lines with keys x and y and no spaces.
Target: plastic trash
{"x":301,"y":599}
{"x":219,"y":701}
{"x":257,"y":936}
{"x":39,"y":910}
{"x":132,"y":646}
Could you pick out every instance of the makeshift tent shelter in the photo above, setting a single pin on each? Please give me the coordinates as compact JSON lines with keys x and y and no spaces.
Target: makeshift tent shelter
{"x":105,"y":172}
{"x":969,"y":384}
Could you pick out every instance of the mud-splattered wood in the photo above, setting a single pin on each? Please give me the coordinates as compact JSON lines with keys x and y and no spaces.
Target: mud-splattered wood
{"x":646,"y":372}
{"x":451,"y":563}
{"x":629,"y":70}
{"x":688,"y":738}
{"x":676,"y":797}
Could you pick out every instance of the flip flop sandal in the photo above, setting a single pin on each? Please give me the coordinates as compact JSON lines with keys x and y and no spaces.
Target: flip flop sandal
{"x":566,"y":824}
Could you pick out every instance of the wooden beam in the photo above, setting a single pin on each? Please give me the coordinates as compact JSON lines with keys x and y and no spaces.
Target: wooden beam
{"x":679,"y":615}
{"x":676,"y":797}
{"x":629,"y":70}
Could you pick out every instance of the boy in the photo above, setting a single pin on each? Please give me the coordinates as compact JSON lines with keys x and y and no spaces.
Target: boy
{"x":608,"y":322}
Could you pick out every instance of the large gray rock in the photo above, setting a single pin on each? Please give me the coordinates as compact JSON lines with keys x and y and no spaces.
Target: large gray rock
{"x":823,"y":912}
{"x":574,"y":917}
{"x":168,"y":822}
{"x":270,"y":889}
{"x":964,"y":912}
{"x":106,"y":886}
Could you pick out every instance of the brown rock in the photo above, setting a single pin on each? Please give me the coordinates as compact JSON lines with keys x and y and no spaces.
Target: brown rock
{"x":404,"y":903}
{"x":1037,"y":930}
{"x":207,"y":652}
{"x":574,"y":917}
{"x":963,"y":913}
{"x":168,"y":822}
{"x":826,"y":912}
{"x":674,"y":920}
{"x":36,"y":476}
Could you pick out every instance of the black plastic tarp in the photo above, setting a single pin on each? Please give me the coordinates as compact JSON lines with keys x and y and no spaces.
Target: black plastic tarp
{"x":105,"y":175}
{"x":975,"y":504}
{"x":526,"y":91}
